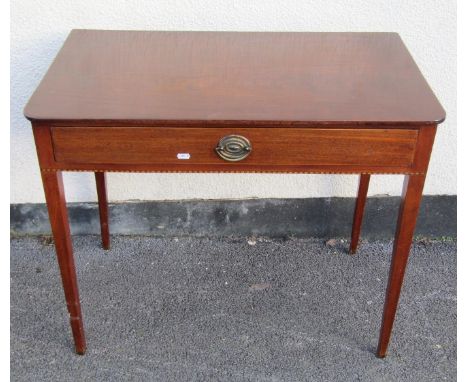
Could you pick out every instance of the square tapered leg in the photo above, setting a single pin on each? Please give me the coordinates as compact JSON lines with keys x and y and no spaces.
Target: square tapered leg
{"x":55,"y":198}
{"x":359,"y":211}
{"x":103,"y":208}
{"x":411,"y":198}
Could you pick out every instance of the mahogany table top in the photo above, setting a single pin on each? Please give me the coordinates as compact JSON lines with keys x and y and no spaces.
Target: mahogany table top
{"x":207,"y":78}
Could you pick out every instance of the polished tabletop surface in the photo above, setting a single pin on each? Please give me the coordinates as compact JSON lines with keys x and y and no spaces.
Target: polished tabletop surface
{"x":283,"y":78}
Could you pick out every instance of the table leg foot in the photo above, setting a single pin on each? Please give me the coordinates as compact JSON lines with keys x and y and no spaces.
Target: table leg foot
{"x":409,"y":207}
{"x":76,"y":324}
{"x":359,"y":211}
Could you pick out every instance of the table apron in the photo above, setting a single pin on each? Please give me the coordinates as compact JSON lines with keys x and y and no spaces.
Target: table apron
{"x":282,"y":150}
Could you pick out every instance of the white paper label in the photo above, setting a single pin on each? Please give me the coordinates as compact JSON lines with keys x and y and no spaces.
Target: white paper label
{"x":183,"y":156}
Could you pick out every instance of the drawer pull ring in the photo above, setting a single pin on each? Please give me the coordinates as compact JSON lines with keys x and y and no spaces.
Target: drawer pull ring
{"x":233,"y":148}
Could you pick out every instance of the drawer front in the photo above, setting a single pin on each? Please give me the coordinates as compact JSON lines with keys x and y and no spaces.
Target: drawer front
{"x":269,"y":146}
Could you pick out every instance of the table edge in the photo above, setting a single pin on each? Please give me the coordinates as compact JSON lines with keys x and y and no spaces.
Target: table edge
{"x":229,"y":123}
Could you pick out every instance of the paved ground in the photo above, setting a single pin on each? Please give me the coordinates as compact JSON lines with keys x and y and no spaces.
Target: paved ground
{"x":232,"y":310}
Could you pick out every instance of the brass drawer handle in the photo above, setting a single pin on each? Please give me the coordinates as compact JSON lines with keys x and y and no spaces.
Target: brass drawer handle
{"x":233,"y":148}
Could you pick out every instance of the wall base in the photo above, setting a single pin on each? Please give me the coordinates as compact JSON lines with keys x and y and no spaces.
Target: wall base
{"x":314,"y":217}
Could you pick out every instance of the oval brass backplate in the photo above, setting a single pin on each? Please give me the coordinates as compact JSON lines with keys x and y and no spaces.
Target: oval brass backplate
{"x":233,"y":148}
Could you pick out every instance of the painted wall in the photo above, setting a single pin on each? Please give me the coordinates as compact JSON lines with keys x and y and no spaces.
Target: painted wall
{"x":39,"y":27}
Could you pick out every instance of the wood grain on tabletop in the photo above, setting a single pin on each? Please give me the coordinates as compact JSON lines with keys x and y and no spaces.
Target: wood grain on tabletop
{"x":138,"y":77}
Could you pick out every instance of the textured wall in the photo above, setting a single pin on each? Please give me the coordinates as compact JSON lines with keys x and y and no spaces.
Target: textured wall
{"x":39,"y":27}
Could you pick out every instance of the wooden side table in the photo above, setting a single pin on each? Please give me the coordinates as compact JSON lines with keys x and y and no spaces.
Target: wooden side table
{"x":233,"y":102}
